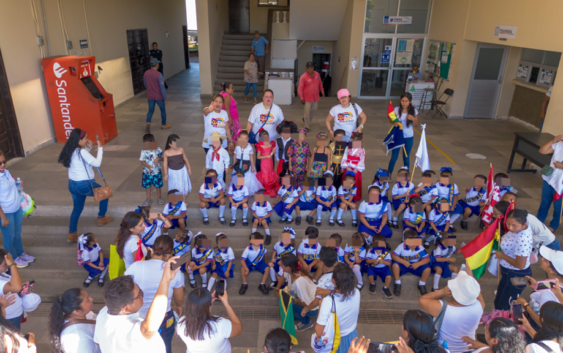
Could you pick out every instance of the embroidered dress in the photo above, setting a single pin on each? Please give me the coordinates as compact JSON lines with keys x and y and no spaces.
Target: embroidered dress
{"x":299,"y":153}
{"x":318,"y":168}
{"x":235,"y":129}
{"x":355,"y":158}
{"x":267,"y":176}
{"x":151,"y":177}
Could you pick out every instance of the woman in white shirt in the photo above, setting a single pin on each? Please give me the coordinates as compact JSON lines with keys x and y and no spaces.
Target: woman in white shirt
{"x":11,"y":283}
{"x":215,"y":119}
{"x":419,"y":334}
{"x":514,"y":258}
{"x":345,"y":116}
{"x":347,"y":303}
{"x":81,"y":178}
{"x":408,"y":117}
{"x":11,"y":340}
{"x":502,"y":336}
{"x":128,"y":241}
{"x":72,"y":323}
{"x":147,"y":275}
{"x":203,"y":332}
{"x":549,"y":338}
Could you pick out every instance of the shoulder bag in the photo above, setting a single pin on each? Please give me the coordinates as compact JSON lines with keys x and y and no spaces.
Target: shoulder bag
{"x":252,"y":134}
{"x":103,"y":192}
{"x":357,"y":115}
{"x":440,"y":318}
{"x":544,"y":346}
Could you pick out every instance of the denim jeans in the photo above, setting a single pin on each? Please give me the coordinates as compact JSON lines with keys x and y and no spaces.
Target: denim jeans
{"x":554,"y":245}
{"x":305,"y":320}
{"x":168,"y":333}
{"x":162,"y":107}
{"x":12,"y":234}
{"x":395,"y":154}
{"x":506,"y":291}
{"x":17,"y":321}
{"x":254,"y":87}
{"x":79,"y":190}
{"x":547,"y":193}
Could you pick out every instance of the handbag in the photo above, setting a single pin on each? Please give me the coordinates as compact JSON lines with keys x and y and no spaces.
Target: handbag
{"x":116,"y":267}
{"x":102,"y":193}
{"x":357,"y":115}
{"x":252,"y":136}
{"x":330,"y":339}
{"x":547,"y":170}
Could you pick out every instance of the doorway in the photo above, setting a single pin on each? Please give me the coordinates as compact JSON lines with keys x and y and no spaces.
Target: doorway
{"x":486,"y":81}
{"x":319,"y":60}
{"x":138,"y":44}
{"x":186,"y":47}
{"x":10,"y":140}
{"x":239,"y":16}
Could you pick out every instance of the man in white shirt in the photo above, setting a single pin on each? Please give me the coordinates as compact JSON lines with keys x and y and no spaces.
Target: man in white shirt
{"x":119,"y":327}
{"x":552,"y":184}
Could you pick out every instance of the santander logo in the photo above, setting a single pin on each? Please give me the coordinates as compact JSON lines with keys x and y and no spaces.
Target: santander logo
{"x":58,"y":70}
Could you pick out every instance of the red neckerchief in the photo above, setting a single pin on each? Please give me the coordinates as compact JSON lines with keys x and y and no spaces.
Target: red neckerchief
{"x":216,"y":155}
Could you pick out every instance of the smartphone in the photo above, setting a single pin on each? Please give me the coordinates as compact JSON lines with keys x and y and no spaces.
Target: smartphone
{"x":519,"y":281}
{"x":180,"y":261}
{"x":220,"y":288}
{"x":517,"y":313}
{"x":377,"y":347}
{"x":545,"y":284}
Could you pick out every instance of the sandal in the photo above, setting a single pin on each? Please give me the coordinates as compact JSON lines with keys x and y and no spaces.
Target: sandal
{"x":147,"y":203}
{"x":160,"y":202}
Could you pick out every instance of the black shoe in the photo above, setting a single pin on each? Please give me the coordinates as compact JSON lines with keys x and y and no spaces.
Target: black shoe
{"x":193,"y":285}
{"x":243,"y":289}
{"x":309,"y":220}
{"x":453,"y":229}
{"x":268,"y":239}
{"x":297,"y":221}
{"x":422,"y":290}
{"x":395,"y":225}
{"x":386,"y":292}
{"x":245,"y":222}
{"x":262,"y":288}
{"x":426,"y":245}
{"x":464,"y":225}
{"x":100,"y":282}
{"x":389,"y":224}
{"x":282,"y":220}
{"x":358,"y":287}
{"x":273,"y":284}
{"x":222,"y":220}
{"x":289,"y":221}
{"x":86,"y":284}
{"x":354,"y":223}
{"x":340,"y":223}
{"x":318,"y":222}
{"x":233,"y":223}
{"x":331,"y":223}
{"x":206,"y":221}
{"x":372,"y":288}
{"x":433,"y":290}
{"x":397,"y":290}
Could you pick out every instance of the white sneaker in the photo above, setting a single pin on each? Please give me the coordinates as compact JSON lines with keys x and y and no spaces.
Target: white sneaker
{"x":27,"y":258}
{"x":20,"y":263}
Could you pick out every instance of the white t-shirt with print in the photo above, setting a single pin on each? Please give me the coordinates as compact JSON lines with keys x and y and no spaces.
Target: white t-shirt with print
{"x":258,"y":117}
{"x":215,"y":122}
{"x":217,"y":342}
{"x":79,"y":338}
{"x":407,"y":130}
{"x":347,"y":312}
{"x":15,"y":309}
{"x":345,"y":118}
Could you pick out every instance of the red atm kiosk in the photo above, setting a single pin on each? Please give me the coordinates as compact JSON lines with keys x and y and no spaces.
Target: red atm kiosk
{"x":77,"y":99}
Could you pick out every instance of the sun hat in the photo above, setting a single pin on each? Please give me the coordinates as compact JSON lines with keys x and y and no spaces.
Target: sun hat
{"x":465,"y":289}
{"x":553,"y":256}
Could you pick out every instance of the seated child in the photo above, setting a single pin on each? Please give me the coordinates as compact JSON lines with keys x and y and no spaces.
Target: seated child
{"x":400,"y":194}
{"x":414,"y":217}
{"x":326,"y":198}
{"x":238,"y":196}
{"x":378,"y":260}
{"x":253,"y":259}
{"x":328,"y":258}
{"x":439,"y":221}
{"x":504,"y":188}
{"x":175,"y":211}
{"x":509,"y":197}
{"x":306,"y":201}
{"x":261,"y":211}
{"x":425,"y":189}
{"x":346,"y":196}
{"x":381,"y":180}
{"x":182,"y":244}
{"x":285,"y":246}
{"x":224,"y":260}
{"x":154,"y":222}
{"x":475,"y":198}
{"x":442,"y":259}
{"x":202,"y":260}
{"x":449,"y":191}
{"x":212,"y":194}
{"x":244,"y":163}
{"x":334,"y":241}
{"x":92,"y":258}
{"x":410,"y":257}
{"x":373,"y":216}
{"x":354,"y":257}
{"x":308,"y":251}
{"x":217,"y":158}
{"x":288,"y":195}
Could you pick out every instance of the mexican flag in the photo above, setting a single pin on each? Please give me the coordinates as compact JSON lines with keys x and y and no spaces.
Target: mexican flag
{"x":392,"y":116}
{"x":478,"y":251}
{"x":286,"y":316}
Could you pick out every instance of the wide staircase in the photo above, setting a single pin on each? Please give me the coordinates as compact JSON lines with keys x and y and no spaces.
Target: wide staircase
{"x":234,"y":53}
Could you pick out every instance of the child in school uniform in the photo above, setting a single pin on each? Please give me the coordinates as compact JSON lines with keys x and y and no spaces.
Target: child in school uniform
{"x":261,"y":212}
{"x":400,"y":194}
{"x":92,"y":258}
{"x":439,"y":219}
{"x":175,"y":212}
{"x":253,"y":259}
{"x":381,"y":180}
{"x":353,"y":162}
{"x":410,"y":257}
{"x":346,"y":196}
{"x":153,"y":227}
{"x":442,"y":260}
{"x":202,"y":261}
{"x":182,"y":244}
{"x":152,"y":170}
{"x":307,"y":201}
{"x":337,"y":242}
{"x":288,"y":195}
{"x":282,"y":247}
{"x":378,"y":260}
{"x":308,"y":251}
{"x":354,"y":256}
{"x":373,"y":216}
{"x":224,"y":261}
{"x":425,"y":189}
{"x":326,"y":198}
{"x":448,"y":191}
{"x":329,"y":259}
{"x":238,"y":196}
{"x":475,"y":198}
{"x":244,"y":163}
{"x":503,"y":188}
{"x":212,"y":194}
{"x":217,"y":158}
{"x":415,"y":220}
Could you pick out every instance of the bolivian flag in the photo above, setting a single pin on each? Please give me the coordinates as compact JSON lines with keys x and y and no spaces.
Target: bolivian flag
{"x":286,"y":315}
{"x":478,"y":251}
{"x":391,"y":115}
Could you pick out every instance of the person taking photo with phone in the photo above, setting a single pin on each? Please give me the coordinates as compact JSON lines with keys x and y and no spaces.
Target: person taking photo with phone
{"x":550,"y":178}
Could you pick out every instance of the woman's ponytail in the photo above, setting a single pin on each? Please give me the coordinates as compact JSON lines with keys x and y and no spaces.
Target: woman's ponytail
{"x":61,"y":310}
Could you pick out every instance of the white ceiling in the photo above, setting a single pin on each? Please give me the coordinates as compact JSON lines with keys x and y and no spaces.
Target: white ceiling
{"x":316,"y":19}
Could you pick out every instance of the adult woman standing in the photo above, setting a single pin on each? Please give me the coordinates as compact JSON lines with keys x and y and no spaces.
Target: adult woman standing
{"x":81,"y":178}
{"x":419,"y":334}
{"x":11,"y":283}
{"x":514,"y":257}
{"x":548,"y":191}
{"x":408,"y":116}
{"x":72,"y":323}
{"x":231,"y":109}
{"x":11,"y":216}
{"x":127,"y":241}
{"x":345,"y":116}
{"x":147,"y":275}
{"x":203,"y":332}
{"x":251,"y":77}
{"x":215,"y":120}
{"x":347,"y":302}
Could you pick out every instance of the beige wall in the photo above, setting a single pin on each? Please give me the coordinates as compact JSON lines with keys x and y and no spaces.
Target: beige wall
{"x":259,"y":15}
{"x":356,"y":42}
{"x":305,"y":53}
{"x":341,"y":51}
{"x":107,"y":21}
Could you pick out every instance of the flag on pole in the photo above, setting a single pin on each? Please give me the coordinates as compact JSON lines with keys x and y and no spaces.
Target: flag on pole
{"x":286,"y":316}
{"x":395,"y":139}
{"x":422,"y":160}
{"x":493,"y":196}
{"x":478,"y":251}
{"x":392,"y":116}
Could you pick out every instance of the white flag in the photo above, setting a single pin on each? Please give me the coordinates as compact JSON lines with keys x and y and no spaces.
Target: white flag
{"x":422,"y":160}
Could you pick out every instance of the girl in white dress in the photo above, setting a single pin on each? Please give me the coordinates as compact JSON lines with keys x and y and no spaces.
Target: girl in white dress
{"x":175,"y":163}
{"x":244,"y":164}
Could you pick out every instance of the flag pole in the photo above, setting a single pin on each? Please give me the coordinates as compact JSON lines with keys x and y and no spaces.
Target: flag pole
{"x":498,"y":261}
{"x":486,"y":204}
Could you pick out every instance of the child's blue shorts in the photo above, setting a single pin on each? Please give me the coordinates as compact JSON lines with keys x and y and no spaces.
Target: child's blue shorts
{"x":260,"y":267}
{"x":430,"y":230}
{"x":220,"y":270}
{"x":208,"y":268}
{"x":281,"y":210}
{"x":307,"y":206}
{"x":445,"y":266}
{"x":417,"y":272}
{"x":475,"y":210}
{"x":386,"y":231}
{"x":175,"y":222}
{"x":268,"y":220}
{"x":405,"y":227}
{"x":213,"y":204}
{"x":382,"y":272}
{"x":397,"y":203}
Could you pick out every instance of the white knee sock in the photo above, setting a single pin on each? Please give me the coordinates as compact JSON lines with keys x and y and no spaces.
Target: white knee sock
{"x":454,"y":275}
{"x":454,"y":217}
{"x":398,"y":281}
{"x":254,"y":230}
{"x":358,"y":274}
{"x":267,"y":231}
{"x":221,"y":211}
{"x":105,"y":271}
{"x":204,"y":279}
{"x":420,"y":283}
{"x":354,"y":214}
{"x":430,"y":238}
{"x":203,"y":212}
{"x":436,"y":281}
{"x":319,"y":211}
{"x":273,"y":274}
{"x":389,"y":211}
{"x":192,"y":279}
{"x":244,"y":212}
{"x":395,"y":219}
{"x":332,"y":213}
{"x":340,"y":212}
{"x":211,"y":283}
{"x":233,"y":213}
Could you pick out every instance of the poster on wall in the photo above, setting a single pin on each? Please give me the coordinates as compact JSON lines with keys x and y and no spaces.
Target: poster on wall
{"x":523,"y":71}
{"x":397,"y":20}
{"x":403,"y":58}
{"x":433,"y":52}
{"x":546,"y":76}
{"x":439,"y":58}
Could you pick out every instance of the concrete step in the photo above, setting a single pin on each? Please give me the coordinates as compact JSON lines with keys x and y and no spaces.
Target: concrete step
{"x":238,"y":88}
{"x":238,"y":75}
{"x":236,"y":52}
{"x":239,"y":81}
{"x":233,"y":58}
{"x":227,"y":62}
{"x":238,"y":47}
{"x":237,"y":42}
{"x":238,"y":36}
{"x":229,"y":69}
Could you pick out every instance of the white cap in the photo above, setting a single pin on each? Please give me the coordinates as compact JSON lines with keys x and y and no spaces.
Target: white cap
{"x":465,"y":289}
{"x":553,"y":256}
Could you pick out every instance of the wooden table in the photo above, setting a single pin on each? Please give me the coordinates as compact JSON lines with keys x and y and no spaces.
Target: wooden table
{"x":527,"y":144}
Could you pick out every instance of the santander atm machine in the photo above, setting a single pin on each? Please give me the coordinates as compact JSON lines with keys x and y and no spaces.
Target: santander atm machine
{"x":77,"y":99}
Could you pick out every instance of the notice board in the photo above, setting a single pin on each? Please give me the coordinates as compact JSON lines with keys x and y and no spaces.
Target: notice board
{"x":439,"y":58}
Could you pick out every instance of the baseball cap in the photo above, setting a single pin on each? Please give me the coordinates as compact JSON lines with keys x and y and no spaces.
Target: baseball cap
{"x":154,"y":62}
{"x":553,"y":256}
{"x":465,"y":289}
{"x":309,"y":64}
{"x":343,"y":93}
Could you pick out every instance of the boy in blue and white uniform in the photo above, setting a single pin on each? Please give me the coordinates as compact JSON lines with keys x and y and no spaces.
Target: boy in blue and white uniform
{"x":475,"y":198}
{"x":153,"y":227}
{"x":400,"y":194}
{"x":448,"y":191}
{"x":381,"y":180}
{"x":415,"y":220}
{"x":373,"y":216}
{"x":261,"y":212}
{"x":337,"y":242}
{"x":288,"y":195}
{"x":326,"y":198}
{"x":285,"y":246}
{"x":439,"y":221}
{"x":503,"y":188}
{"x":253,"y":259}
{"x":425,"y":189}
{"x":212,"y":194}
{"x":307,"y":201}
{"x":410,"y":257}
{"x":442,"y":259}
{"x":309,"y":249}
{"x":358,"y":264}
{"x":346,"y":194}
{"x":182,"y":244}
{"x":378,"y":260}
{"x":238,"y":195}
{"x":202,"y":260}
{"x":224,"y":260}
{"x":175,"y":211}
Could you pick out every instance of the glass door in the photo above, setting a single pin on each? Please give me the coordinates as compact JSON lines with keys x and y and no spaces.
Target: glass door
{"x":407,"y":54}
